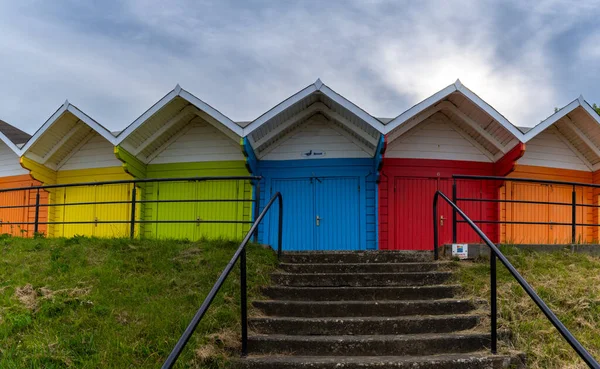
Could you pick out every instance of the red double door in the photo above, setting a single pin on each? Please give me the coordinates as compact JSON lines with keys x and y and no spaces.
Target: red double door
{"x":412,"y":203}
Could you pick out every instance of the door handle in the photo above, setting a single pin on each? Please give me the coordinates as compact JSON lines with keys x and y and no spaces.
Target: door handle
{"x":318,"y":220}
{"x":442,"y":220}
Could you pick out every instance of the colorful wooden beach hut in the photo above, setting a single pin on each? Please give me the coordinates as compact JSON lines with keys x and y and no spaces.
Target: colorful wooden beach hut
{"x":13,"y":220}
{"x":322,"y":153}
{"x":73,"y":148}
{"x":182,"y":136}
{"x":452,"y":132}
{"x":563,"y":147}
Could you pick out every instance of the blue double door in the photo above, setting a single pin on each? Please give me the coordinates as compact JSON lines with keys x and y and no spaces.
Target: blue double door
{"x":320,"y":213}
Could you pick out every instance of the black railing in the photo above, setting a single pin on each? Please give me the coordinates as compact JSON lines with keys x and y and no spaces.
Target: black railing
{"x":496,"y":253}
{"x":26,"y":198}
{"x":573,"y":222}
{"x":241,"y":255}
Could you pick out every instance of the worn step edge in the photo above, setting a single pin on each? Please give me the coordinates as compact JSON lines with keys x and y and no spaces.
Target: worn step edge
{"x":359,"y":279}
{"x":362,"y":267}
{"x":479,"y":360}
{"x":362,"y":345}
{"x":366,"y":308}
{"x":439,"y":291}
{"x":364,"y":325}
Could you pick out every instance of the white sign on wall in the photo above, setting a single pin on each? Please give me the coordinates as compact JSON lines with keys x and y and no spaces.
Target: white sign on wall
{"x":460,"y":250}
{"x":313,"y":154}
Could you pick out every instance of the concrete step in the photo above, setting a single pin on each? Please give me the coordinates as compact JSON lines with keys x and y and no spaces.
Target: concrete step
{"x":363,"y":267}
{"x":361,"y":293}
{"x":363,"y":325}
{"x":480,"y":360}
{"x":357,"y":257}
{"x":314,"y":309}
{"x":369,"y":345}
{"x":360,"y":279}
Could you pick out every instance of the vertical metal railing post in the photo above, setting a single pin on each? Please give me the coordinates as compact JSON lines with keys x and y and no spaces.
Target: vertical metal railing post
{"x":256,"y":207}
{"x":244,"y":302}
{"x":573,"y":216}
{"x":454,"y":220}
{"x":493,"y":303}
{"x":435,"y":227}
{"x":37,"y":213}
{"x":132,"y":219}
{"x":280,"y":230}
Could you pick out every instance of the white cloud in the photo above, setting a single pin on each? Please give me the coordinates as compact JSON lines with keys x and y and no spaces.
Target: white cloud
{"x":244,"y":60}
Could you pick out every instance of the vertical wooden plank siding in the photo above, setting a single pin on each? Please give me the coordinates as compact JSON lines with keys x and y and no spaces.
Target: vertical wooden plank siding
{"x":199,"y":210}
{"x":90,"y":212}
{"x":340,"y":191}
{"x":8,"y":217}
{"x":402,"y":205}
{"x":540,"y":234}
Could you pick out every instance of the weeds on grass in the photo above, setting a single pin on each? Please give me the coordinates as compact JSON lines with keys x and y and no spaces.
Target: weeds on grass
{"x":569,"y":283}
{"x":91,"y":303}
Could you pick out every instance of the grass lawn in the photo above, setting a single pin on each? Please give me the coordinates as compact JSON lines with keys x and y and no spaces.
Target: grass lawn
{"x":569,"y":283}
{"x":95,"y":303}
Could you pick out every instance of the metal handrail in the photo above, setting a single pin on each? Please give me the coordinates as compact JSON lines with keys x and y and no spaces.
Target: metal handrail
{"x":496,"y":253}
{"x":239,"y":254}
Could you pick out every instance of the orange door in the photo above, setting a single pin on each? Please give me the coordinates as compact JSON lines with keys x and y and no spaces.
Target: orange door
{"x":517,"y":212}
{"x":563,"y":214}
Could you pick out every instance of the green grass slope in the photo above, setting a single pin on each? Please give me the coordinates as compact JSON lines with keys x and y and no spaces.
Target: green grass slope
{"x":569,"y":283}
{"x":94,"y":303}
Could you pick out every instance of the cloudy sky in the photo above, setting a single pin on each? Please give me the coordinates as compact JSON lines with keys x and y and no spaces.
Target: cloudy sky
{"x":115,"y":59}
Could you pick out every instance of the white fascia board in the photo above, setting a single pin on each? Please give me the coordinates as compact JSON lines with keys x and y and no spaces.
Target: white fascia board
{"x":214,"y":113}
{"x":420,"y":107}
{"x":99,"y":128}
{"x":179,"y":92}
{"x":45,"y":126}
{"x":588,"y":109}
{"x":279,"y":108}
{"x":489,"y":110}
{"x":353,"y":108}
{"x":147,"y":114}
{"x":540,"y":127}
{"x":10,"y":144}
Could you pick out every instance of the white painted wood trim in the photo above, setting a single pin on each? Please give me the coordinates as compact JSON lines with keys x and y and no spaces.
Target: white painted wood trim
{"x":147,"y":114}
{"x":448,"y":105}
{"x":413,"y":122}
{"x":169,"y":142}
{"x":550,"y":121}
{"x":85,"y":140}
{"x":420,"y":107}
{"x":335,"y":116}
{"x":570,"y":146}
{"x":57,"y":114}
{"x":353,"y":108}
{"x":363,"y":147}
{"x":583,"y":138}
{"x":279,"y":108}
{"x":61,"y":142}
{"x":224,"y":129}
{"x":306,"y":113}
{"x":213,"y":113}
{"x":471,"y":140}
{"x":488,"y":109}
{"x":92,"y":124}
{"x":165,"y":127}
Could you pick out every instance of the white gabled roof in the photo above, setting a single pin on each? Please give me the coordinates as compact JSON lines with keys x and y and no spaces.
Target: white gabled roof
{"x":199,"y":104}
{"x":67,"y":107}
{"x":469,"y":112}
{"x":579,"y":124}
{"x":10,"y":144}
{"x":268,"y":129}
{"x":444,"y":93}
{"x":318,"y":86}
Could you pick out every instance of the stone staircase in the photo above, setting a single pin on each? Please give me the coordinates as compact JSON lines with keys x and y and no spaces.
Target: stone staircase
{"x":351,"y":310}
